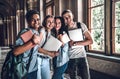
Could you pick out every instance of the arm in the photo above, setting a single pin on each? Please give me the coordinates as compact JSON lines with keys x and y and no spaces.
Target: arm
{"x":88,"y":40}
{"x":26,"y":46}
{"x":50,"y":53}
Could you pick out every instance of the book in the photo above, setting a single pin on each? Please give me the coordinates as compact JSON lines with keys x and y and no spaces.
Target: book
{"x":52,"y":44}
{"x":26,"y":36}
{"x":65,"y":38}
{"x":76,"y":34}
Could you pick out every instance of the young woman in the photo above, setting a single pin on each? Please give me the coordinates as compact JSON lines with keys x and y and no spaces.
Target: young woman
{"x":25,"y":48}
{"x":44,"y":55}
{"x":60,"y":62}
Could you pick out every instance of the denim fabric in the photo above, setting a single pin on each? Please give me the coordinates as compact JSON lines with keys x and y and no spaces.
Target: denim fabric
{"x":58,"y":71}
{"x":43,"y":68}
{"x":63,"y":56}
{"x":32,"y":75}
{"x":78,"y":67}
{"x":33,"y":64}
{"x":60,"y":62}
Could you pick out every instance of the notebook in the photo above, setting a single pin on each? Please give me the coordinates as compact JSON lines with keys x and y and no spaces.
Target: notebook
{"x":65,"y":38}
{"x":52,"y":44}
{"x":27,"y":36}
{"x":76,"y":34}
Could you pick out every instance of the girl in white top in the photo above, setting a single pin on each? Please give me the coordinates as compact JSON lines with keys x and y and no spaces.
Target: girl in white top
{"x":44,"y":55}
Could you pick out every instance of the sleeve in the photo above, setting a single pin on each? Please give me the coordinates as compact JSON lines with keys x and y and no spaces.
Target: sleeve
{"x":84,"y":27}
{"x":42,"y":30}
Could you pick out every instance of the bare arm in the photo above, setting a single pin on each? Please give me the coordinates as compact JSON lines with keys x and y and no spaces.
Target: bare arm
{"x":50,"y":53}
{"x":87,"y":41}
{"x":21,"y":49}
{"x":28,"y":45}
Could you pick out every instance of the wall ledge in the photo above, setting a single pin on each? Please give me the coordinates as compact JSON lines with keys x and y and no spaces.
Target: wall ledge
{"x":104,"y":57}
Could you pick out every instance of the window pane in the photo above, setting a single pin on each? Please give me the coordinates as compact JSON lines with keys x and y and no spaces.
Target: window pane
{"x":49,"y":10}
{"x":96,"y":2}
{"x":98,"y":37}
{"x":117,"y":27}
{"x":97,"y":28}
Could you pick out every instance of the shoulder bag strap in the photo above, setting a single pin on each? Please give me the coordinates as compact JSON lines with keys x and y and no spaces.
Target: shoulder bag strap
{"x":28,"y":65}
{"x":45,"y":39}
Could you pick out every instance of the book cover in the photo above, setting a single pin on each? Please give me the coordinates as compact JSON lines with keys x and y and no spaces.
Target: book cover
{"x":65,"y":38}
{"x":76,"y":34}
{"x":26,"y":36}
{"x":52,"y":44}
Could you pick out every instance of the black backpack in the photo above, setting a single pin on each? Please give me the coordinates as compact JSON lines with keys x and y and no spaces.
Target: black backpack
{"x":78,"y":24}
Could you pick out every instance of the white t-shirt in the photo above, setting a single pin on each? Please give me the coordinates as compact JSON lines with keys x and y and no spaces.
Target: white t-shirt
{"x":79,"y":51}
{"x":43,"y":39}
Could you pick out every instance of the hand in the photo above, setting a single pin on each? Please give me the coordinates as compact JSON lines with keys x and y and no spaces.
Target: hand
{"x":71,"y":43}
{"x":60,"y":36}
{"x":36,"y":39}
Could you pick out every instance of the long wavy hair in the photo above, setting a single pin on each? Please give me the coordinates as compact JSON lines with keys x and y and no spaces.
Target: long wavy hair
{"x":63,"y":27}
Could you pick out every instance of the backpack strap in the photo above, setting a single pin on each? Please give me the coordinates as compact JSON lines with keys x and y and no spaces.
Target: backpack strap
{"x":78,"y":24}
{"x":45,"y":40}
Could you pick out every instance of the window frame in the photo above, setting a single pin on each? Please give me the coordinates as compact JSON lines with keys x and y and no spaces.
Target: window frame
{"x":114,"y":27}
{"x":109,"y":27}
{"x":89,"y":24}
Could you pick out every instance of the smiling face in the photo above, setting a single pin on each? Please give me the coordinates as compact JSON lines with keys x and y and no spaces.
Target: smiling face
{"x":68,"y":17}
{"x":34,"y":22}
{"x":58,"y":24}
{"x":50,"y":23}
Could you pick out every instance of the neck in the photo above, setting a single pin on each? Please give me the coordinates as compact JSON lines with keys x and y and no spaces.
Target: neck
{"x":71,"y":25}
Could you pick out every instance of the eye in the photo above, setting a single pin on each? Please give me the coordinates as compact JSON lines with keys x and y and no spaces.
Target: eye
{"x":35,"y":19}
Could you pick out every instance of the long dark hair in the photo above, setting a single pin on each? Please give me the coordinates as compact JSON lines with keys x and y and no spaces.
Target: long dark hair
{"x":63,"y":27}
{"x":30,"y":13}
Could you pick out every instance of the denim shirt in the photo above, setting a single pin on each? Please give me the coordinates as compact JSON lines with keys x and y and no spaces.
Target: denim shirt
{"x":33,"y":63}
{"x":63,"y":57}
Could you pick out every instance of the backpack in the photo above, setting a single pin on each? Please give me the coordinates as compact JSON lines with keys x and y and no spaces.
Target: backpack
{"x":14,"y":67}
{"x":78,"y":25}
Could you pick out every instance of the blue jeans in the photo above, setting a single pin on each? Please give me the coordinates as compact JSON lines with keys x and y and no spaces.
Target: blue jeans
{"x":43,"y":68}
{"x":32,"y":75}
{"x":78,"y":67}
{"x":59,"y":71}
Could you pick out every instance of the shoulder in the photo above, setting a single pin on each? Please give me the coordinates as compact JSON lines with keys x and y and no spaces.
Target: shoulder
{"x":42,"y":30}
{"x":83,"y":26}
{"x":23,"y":31}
